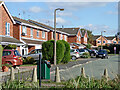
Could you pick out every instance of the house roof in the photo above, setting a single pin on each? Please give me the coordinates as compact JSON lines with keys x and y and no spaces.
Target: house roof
{"x":96,"y":37}
{"x":110,"y":38}
{"x":40,"y":24}
{"x":10,"y":40}
{"x":1,"y":2}
{"x":32,"y":41}
{"x":29,"y":23}
{"x":72,"y":31}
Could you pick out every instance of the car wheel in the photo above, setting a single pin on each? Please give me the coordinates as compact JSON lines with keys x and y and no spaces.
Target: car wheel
{"x":73,"y":57}
{"x":92,"y":55}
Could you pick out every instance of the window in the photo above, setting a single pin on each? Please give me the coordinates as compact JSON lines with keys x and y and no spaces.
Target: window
{"x":85,"y":39}
{"x":114,"y":41}
{"x":43,"y":34}
{"x":37,"y":33}
{"x":24,"y":30}
{"x":31,"y":33}
{"x":7,"y":29}
{"x":6,"y":53}
{"x":79,"y":38}
{"x":61,"y":36}
{"x":65,"y":38}
{"x":99,"y":41}
{"x":16,"y":53}
{"x":103,"y":41}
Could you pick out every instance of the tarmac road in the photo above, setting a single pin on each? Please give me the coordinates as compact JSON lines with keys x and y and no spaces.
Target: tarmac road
{"x":94,"y":68}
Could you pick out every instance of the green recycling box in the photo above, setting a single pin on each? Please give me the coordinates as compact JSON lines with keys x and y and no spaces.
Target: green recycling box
{"x":45,"y":69}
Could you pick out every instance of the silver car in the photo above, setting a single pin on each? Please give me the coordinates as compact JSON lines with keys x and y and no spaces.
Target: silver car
{"x":74,"y":53}
{"x":34,"y":54}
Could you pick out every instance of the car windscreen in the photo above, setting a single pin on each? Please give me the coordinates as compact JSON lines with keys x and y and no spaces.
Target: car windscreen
{"x":6,"y":53}
{"x":16,"y":53}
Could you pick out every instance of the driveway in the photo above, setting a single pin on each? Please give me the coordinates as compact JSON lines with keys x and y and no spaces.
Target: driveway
{"x":92,"y":69}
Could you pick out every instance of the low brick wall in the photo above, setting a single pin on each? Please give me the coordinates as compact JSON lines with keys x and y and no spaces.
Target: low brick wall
{"x":25,"y":74}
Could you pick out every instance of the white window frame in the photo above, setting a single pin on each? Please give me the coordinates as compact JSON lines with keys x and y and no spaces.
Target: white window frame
{"x":24,"y":30}
{"x":31,"y":32}
{"x":43,"y":34}
{"x":79,"y":38}
{"x":7,"y":29}
{"x":65,"y":38}
{"x":37,"y":33}
{"x":61,"y":36}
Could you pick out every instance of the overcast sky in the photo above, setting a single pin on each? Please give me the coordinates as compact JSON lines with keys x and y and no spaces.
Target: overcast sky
{"x":95,"y":16}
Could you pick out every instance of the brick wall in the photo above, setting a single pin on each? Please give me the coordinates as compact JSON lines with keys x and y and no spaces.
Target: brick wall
{"x":16,"y":31}
{"x":72,"y":39}
{"x":83,"y":39}
{"x":6,"y":18}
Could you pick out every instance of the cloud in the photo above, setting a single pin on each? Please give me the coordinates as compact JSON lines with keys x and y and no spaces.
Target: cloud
{"x":60,"y":20}
{"x":96,"y":29}
{"x":112,"y":12}
{"x":75,"y":5}
{"x":35,"y":9}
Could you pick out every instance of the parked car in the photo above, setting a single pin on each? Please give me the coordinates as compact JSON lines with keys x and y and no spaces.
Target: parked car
{"x":11,"y":57}
{"x":81,"y":51}
{"x":34,"y":54}
{"x":92,"y":52}
{"x":74,"y":53}
{"x":102,"y":54}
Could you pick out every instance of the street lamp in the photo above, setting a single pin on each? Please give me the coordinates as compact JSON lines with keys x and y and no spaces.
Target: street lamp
{"x":61,"y":9}
{"x":101,"y":38}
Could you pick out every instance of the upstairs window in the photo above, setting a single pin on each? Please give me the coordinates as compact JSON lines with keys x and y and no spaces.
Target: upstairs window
{"x":37,"y":33}
{"x":43,"y":34}
{"x":99,"y":41}
{"x":65,"y":38}
{"x":79,"y":38}
{"x":31,"y":33}
{"x":103,"y":41}
{"x":114,"y":41}
{"x":24,"y":30}
{"x":61,"y":36}
{"x":7,"y":26}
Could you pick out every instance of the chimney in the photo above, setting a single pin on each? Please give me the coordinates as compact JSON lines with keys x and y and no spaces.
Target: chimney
{"x":19,"y":16}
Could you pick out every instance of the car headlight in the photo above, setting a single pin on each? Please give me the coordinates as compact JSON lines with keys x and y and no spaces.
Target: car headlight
{"x":103,"y":54}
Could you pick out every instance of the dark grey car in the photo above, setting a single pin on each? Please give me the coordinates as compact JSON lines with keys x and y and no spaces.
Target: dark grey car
{"x":34,"y":54}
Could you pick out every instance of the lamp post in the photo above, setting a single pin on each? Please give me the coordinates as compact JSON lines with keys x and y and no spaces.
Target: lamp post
{"x":55,"y":33}
{"x":101,"y":38}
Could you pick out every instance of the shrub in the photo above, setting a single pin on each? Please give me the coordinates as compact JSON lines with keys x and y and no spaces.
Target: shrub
{"x":88,"y":46}
{"x":11,"y":46}
{"x":60,"y":48}
{"x":1,"y":50}
{"x":47,"y":51}
{"x":29,"y":60}
{"x":85,"y":55}
{"x":67,"y":56}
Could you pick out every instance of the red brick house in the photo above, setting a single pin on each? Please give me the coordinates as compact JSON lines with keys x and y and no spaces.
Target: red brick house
{"x":111,"y":40}
{"x":6,"y":27}
{"x":60,"y":35}
{"x":75,"y":35}
{"x":30,"y":34}
{"x":97,"y":40}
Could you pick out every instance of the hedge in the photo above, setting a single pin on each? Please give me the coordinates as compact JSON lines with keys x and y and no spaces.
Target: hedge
{"x":67,"y":56}
{"x":62,"y":51}
{"x":47,"y":51}
{"x":10,"y":46}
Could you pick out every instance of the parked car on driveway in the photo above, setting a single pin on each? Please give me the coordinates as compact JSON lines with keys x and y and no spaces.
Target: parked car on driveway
{"x":81,"y":51}
{"x":74,"y":53}
{"x":34,"y":54}
{"x":11,"y":57}
{"x":102,"y":54}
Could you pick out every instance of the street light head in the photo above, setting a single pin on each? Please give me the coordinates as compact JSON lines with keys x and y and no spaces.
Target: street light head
{"x":61,"y":9}
{"x":104,"y":31}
